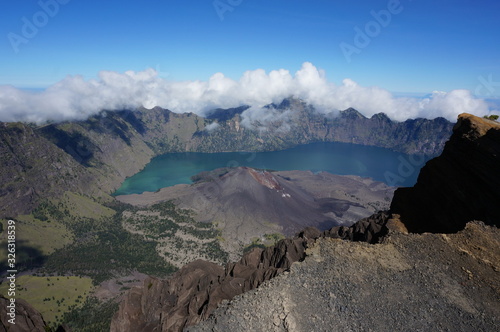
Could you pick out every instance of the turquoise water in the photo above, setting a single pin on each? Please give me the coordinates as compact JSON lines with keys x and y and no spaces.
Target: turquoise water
{"x":380,"y":164}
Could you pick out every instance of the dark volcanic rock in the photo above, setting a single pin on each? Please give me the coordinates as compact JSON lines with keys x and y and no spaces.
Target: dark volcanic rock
{"x":369,"y":229}
{"x":409,"y":282}
{"x":457,"y":187}
{"x":194,"y":292}
{"x":348,"y":286}
{"x":460,"y":185}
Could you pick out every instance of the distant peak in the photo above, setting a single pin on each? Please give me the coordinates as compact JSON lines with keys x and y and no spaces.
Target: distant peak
{"x":351,"y":113}
{"x":287,"y":103}
{"x":221,"y":114}
{"x":381,"y":116}
{"x":290,"y":102}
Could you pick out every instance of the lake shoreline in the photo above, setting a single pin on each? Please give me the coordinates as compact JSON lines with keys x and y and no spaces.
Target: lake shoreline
{"x":380,"y":164}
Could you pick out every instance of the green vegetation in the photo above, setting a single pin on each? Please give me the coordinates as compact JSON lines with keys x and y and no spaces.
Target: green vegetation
{"x":179,"y":237}
{"x":52,"y":296}
{"x":104,"y":249}
{"x":92,"y":316}
{"x":253,"y":245}
{"x":256,"y":243}
{"x":169,"y":209}
{"x":266,"y":241}
{"x":35,"y":239}
{"x":77,"y":235}
{"x":47,"y":211}
{"x":274,"y":238}
{"x":493,"y":117}
{"x":81,"y":206}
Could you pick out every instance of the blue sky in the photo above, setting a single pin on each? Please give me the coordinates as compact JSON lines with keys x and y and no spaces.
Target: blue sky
{"x":367,"y":54}
{"x":427,"y":45}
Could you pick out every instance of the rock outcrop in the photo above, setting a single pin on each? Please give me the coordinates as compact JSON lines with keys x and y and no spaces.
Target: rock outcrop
{"x":27,"y":318}
{"x":460,"y":185}
{"x":195,"y":291}
{"x":415,"y":282}
{"x":293,"y":122}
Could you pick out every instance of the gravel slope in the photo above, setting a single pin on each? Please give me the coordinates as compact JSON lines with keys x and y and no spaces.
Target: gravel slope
{"x":428,"y":282}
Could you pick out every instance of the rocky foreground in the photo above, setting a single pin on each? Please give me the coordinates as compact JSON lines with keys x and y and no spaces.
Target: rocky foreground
{"x":429,"y":282}
{"x":194,"y":292}
{"x":405,"y":282}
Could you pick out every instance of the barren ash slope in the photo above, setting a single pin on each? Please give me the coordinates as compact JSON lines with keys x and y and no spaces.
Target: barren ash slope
{"x":249,"y":205}
{"x":401,"y":282}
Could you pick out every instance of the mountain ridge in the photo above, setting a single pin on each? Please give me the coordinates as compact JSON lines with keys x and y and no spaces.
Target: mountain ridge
{"x":100,"y":152}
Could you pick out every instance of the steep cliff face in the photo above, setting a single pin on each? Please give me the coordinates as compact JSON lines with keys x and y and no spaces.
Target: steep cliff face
{"x":393,"y":285}
{"x":109,"y":145}
{"x":294,"y":122}
{"x":460,"y":185}
{"x":90,"y":157}
{"x":32,"y":169}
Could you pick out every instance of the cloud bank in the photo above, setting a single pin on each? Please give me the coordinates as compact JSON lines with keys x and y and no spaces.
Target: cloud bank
{"x":75,"y":98}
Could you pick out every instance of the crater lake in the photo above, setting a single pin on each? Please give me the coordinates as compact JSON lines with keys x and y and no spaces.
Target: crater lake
{"x":390,"y":167}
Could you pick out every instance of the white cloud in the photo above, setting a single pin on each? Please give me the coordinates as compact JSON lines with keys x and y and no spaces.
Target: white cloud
{"x":76,"y":98}
{"x":262,"y":118}
{"x":212,"y":126}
